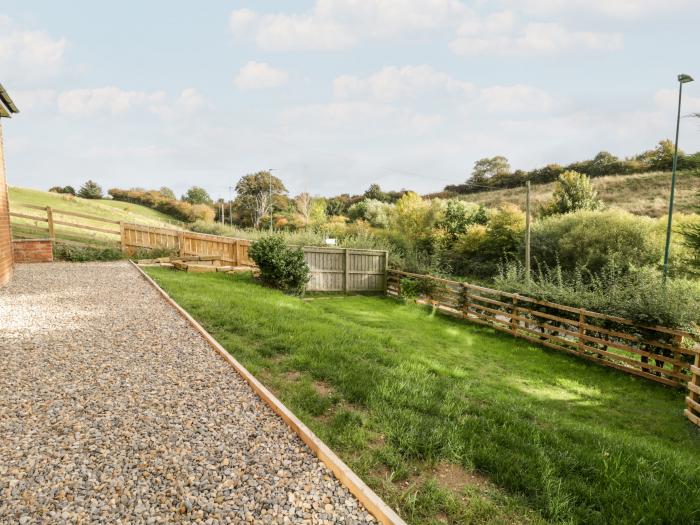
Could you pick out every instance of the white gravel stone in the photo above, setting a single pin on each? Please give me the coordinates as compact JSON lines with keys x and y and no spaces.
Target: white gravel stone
{"x":114,"y":410}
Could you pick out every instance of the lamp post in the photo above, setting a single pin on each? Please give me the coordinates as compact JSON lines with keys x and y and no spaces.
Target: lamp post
{"x":682,"y":79}
{"x":269,"y":171}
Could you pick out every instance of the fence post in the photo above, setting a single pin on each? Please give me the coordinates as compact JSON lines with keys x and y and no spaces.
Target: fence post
{"x":181,"y":243}
{"x":347,"y":271}
{"x":513,"y":313}
{"x":465,"y":306}
{"x":581,"y":330}
{"x":122,"y":236}
{"x":49,"y":219}
{"x":386,"y":271}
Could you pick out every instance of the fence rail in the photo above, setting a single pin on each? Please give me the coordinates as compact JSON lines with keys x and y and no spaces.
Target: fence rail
{"x":657,"y":353}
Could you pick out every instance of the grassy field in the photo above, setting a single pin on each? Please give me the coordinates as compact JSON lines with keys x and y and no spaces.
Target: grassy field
{"x":641,"y":194}
{"x":454,"y":423}
{"x":106,"y":209}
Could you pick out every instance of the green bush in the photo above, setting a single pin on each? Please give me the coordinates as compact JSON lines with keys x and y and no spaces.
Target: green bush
{"x":630,"y":292}
{"x":68,"y":252}
{"x":572,"y":192}
{"x":280,"y":266}
{"x":593,"y":239}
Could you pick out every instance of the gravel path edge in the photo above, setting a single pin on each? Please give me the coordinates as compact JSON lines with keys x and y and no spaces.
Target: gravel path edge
{"x":373,"y":503}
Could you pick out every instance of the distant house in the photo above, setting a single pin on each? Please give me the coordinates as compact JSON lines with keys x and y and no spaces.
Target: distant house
{"x":7,"y":108}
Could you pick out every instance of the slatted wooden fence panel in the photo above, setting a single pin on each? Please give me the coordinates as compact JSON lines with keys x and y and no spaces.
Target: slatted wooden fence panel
{"x":346,"y":269}
{"x":233,"y":251}
{"x":657,"y":353}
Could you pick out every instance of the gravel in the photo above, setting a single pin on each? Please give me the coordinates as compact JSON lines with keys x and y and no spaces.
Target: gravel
{"x":114,"y":410}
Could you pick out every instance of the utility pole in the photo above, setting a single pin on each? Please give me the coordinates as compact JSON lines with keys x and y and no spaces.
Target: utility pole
{"x":527,"y":232}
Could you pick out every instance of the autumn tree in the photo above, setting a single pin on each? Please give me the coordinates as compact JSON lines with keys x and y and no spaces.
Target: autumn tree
{"x":258,"y":194}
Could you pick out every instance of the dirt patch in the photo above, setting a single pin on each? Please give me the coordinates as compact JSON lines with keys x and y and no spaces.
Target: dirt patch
{"x":322,"y":388}
{"x":455,"y":477}
{"x":448,"y":475}
{"x":292,"y":375}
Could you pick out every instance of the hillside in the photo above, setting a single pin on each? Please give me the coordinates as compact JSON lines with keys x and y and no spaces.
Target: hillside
{"x":641,"y":194}
{"x":103,"y":208}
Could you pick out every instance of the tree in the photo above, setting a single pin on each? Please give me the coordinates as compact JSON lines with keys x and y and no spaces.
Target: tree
{"x":375,"y":192}
{"x":253,"y":196}
{"x":604,"y":163}
{"x":90,"y":190}
{"x":302,"y":203}
{"x":335,"y":206}
{"x":573,"y":192}
{"x":167,"y":192}
{"x":487,"y":168}
{"x":70,"y":190}
{"x":197,"y":195}
{"x":461,"y":214}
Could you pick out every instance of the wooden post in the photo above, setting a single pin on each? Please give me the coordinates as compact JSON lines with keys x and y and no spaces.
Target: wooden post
{"x":513,"y":313}
{"x":581,"y":331}
{"x":386,"y":271}
{"x":122,"y":236}
{"x":346,"y":277}
{"x":465,"y":306}
{"x":181,"y":243}
{"x":527,"y":233}
{"x":49,"y":218}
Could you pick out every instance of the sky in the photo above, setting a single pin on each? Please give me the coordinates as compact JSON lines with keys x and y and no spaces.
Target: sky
{"x":335,"y":95}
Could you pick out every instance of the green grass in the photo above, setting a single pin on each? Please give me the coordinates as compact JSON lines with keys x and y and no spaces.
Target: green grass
{"x":451,"y":422}
{"x":103,"y":208}
{"x":641,"y":193}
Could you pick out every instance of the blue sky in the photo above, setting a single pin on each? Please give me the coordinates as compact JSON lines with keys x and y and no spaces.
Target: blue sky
{"x":336,"y":94}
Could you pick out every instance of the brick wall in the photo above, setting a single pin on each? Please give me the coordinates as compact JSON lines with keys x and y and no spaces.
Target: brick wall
{"x":30,"y":251}
{"x":5,"y":236}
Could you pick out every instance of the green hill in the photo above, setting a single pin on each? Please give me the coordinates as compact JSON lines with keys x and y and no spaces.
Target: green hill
{"x":641,"y":194}
{"x":21,"y":200}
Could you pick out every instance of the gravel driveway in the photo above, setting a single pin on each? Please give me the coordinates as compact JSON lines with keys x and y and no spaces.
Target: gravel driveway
{"x":114,"y":410}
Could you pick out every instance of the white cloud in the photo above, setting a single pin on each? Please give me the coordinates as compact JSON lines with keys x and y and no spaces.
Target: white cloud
{"x":393,"y":83}
{"x":112,"y":100}
{"x":258,"y":75}
{"x":28,"y":54}
{"x":337,"y":24}
{"x":614,"y":8}
{"x":534,"y":38}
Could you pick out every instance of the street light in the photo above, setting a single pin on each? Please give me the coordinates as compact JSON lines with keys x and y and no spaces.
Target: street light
{"x":269,"y":171}
{"x":682,"y":79}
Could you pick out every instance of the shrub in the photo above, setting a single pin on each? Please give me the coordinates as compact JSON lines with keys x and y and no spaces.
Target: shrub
{"x":478,"y":251}
{"x":630,"y":292}
{"x":90,"y":190}
{"x":68,"y":252}
{"x":280,"y":266}
{"x":592,"y":239}
{"x":63,"y":189}
{"x":572,"y":192}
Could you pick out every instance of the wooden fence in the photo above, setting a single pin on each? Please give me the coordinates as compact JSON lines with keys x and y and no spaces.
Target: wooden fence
{"x":232,"y":251}
{"x":332,"y":269}
{"x":346,"y":269}
{"x":54,"y":217}
{"x":657,"y":353}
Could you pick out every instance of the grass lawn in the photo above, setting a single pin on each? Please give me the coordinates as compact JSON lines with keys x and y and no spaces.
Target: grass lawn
{"x":451,"y":422}
{"x":106,"y":209}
